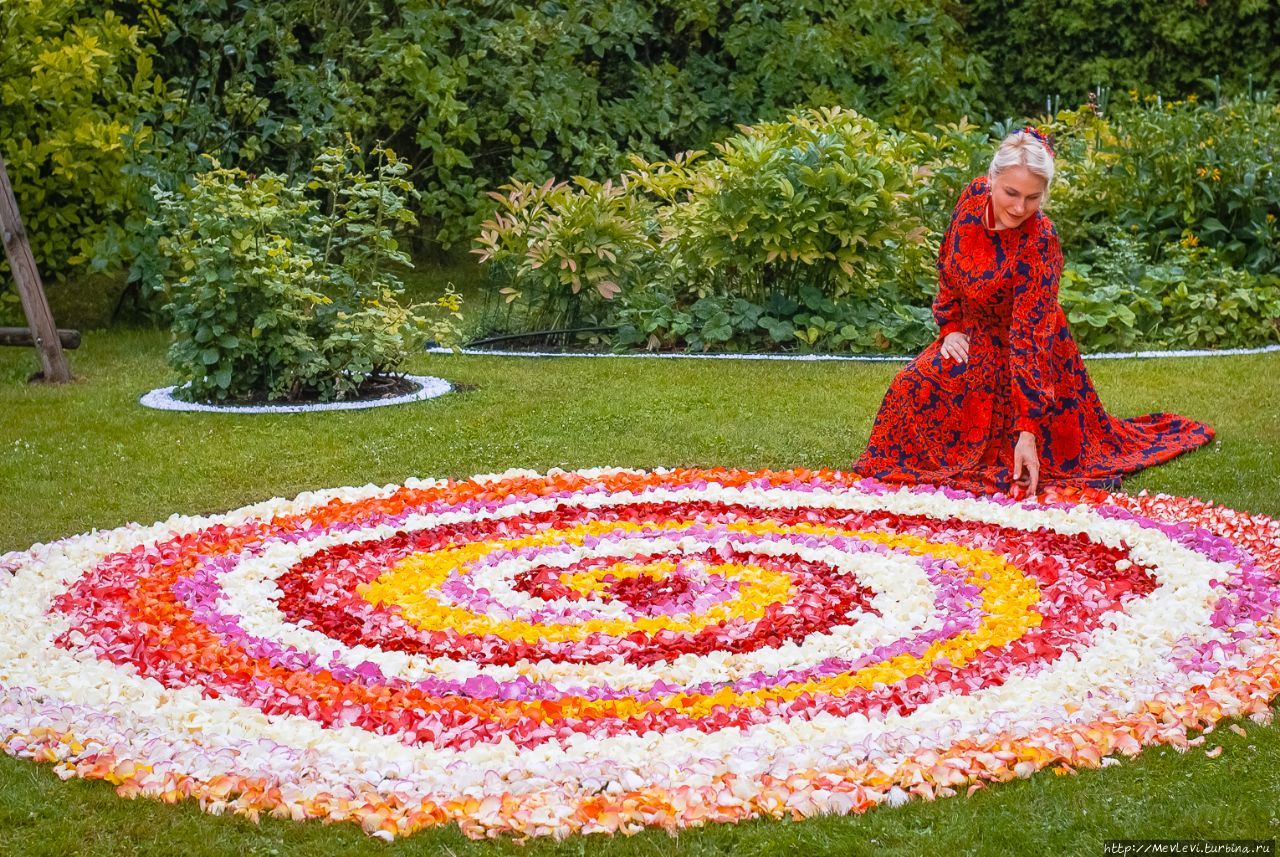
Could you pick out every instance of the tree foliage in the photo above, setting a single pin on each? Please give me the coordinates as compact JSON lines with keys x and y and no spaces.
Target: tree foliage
{"x":472,"y":93}
{"x":78,"y":94}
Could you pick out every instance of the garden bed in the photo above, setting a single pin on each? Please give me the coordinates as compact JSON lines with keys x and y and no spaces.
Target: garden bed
{"x":377,"y":393}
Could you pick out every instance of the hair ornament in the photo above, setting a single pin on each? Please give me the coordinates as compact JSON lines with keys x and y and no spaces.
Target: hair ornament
{"x":1044,"y":140}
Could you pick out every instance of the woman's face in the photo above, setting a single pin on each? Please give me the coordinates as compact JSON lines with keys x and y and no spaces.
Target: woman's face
{"x":1016,"y":195}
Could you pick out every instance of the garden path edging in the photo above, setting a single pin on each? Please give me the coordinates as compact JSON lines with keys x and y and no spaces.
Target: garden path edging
{"x":850,"y":358}
{"x":429,"y":387}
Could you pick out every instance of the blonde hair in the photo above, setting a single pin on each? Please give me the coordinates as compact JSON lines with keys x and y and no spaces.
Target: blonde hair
{"x":1022,"y":149}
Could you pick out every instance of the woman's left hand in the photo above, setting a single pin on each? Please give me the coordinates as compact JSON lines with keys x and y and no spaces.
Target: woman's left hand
{"x":1026,"y":463}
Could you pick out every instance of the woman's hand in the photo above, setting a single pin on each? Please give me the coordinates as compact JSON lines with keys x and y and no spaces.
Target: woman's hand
{"x":955,"y":346}
{"x":1026,"y":463}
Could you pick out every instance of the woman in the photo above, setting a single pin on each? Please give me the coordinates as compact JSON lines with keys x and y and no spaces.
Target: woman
{"x":1001,"y":401}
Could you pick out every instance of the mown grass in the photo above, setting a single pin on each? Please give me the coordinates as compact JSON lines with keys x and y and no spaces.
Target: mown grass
{"x":86,"y":455}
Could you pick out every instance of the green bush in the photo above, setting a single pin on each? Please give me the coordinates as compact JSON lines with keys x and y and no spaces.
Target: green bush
{"x":817,"y":200}
{"x":1164,"y":171}
{"x":1104,"y":298}
{"x":563,"y":250}
{"x":280,"y":290}
{"x":1121,"y":299}
{"x":807,"y":233}
{"x":476,"y":94}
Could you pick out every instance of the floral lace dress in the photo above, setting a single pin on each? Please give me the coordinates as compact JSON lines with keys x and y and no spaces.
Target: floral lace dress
{"x":954,"y":423}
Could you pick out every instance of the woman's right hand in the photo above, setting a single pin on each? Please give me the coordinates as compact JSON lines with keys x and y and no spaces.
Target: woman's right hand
{"x":955,"y":346}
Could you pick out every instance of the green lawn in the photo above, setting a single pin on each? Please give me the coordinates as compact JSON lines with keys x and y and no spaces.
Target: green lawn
{"x":86,"y":455}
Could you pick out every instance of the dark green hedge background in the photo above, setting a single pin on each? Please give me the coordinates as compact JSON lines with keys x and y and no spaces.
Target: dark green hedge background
{"x":1038,"y":48}
{"x":101,"y":99}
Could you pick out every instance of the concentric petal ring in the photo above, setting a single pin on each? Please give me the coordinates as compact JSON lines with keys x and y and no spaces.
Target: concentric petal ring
{"x":607,"y":649}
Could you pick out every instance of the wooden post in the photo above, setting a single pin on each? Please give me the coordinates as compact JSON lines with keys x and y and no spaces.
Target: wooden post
{"x":53,"y":362}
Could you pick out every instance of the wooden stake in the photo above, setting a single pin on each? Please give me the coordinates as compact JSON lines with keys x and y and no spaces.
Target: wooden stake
{"x":53,"y":362}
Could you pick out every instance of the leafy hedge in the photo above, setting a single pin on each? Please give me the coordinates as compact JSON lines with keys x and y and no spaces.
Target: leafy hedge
{"x":1175,"y":170}
{"x":1041,"y":48}
{"x":820,"y":233}
{"x":469,"y":93}
{"x":1122,"y":300}
{"x":101,"y":100}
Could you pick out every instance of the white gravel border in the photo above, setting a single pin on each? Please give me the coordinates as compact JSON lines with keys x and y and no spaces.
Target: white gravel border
{"x":822,"y":358}
{"x":429,"y":387}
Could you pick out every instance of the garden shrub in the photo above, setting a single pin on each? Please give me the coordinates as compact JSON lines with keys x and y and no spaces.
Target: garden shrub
{"x":816,"y":200}
{"x":1208,"y":304}
{"x":821,"y":233}
{"x":806,"y":231}
{"x":288,"y":290}
{"x":803,"y":233}
{"x":1121,"y":299}
{"x":1103,"y":296}
{"x":563,"y":249}
{"x":1174,"y":170}
{"x":77,"y":88}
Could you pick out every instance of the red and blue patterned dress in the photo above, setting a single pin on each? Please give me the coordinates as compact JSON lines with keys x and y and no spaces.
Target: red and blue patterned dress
{"x":952,"y":423}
